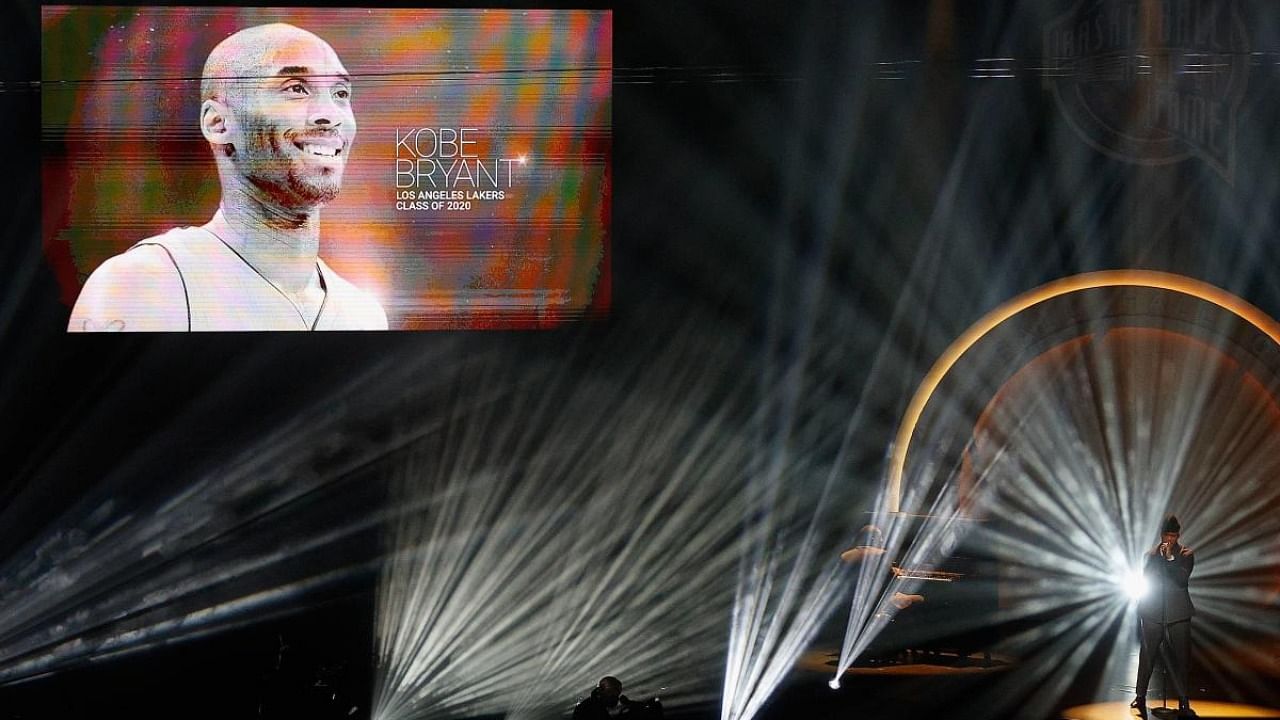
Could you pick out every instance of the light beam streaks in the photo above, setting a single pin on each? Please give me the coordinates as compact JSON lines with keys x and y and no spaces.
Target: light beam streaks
{"x":550,"y":538}
{"x":138,"y":564}
{"x":1071,"y":466}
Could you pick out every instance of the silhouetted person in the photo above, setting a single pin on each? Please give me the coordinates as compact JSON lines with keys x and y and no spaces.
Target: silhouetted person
{"x":607,"y":701}
{"x":1166,"y":612}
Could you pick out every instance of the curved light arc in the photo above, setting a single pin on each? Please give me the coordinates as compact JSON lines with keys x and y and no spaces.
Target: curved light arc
{"x":1076,"y":283}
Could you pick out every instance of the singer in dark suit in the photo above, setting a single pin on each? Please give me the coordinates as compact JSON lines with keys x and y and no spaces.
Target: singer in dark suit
{"x":1166,"y":607}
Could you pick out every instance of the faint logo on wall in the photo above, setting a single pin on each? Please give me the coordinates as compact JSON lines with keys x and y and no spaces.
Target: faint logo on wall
{"x":1151,"y":81}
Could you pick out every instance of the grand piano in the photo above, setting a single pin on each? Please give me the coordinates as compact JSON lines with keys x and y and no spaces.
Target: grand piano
{"x":942,"y":602}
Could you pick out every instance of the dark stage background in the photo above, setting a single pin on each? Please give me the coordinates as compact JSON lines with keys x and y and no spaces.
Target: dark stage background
{"x":834,"y":178}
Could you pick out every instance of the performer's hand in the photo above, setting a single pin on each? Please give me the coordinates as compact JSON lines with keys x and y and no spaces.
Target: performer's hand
{"x":1186,"y":551}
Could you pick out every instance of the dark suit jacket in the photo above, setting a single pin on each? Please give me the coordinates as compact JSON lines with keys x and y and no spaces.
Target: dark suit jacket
{"x":1167,"y":598}
{"x":593,"y":709}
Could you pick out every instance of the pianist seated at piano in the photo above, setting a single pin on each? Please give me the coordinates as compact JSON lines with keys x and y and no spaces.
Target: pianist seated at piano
{"x":925,"y":601}
{"x":870,"y":543}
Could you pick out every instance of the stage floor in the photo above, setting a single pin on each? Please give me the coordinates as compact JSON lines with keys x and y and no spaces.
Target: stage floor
{"x":228,"y":676}
{"x":1205,"y":709}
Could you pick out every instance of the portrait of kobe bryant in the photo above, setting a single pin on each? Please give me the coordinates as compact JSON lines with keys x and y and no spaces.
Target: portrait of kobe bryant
{"x":275,"y":108}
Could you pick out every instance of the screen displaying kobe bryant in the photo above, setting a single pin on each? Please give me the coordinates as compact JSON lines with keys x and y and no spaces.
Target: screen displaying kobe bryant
{"x":261,"y":169}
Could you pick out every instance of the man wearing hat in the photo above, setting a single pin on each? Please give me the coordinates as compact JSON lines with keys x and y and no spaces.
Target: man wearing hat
{"x":1166,"y":612}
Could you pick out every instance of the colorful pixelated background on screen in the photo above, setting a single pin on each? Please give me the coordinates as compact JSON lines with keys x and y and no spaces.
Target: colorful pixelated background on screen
{"x":123,"y":157}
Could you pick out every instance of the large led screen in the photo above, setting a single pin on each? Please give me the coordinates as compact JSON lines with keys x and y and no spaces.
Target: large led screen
{"x":242,"y":169}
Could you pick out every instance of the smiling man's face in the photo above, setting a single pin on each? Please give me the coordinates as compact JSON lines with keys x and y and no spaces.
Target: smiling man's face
{"x":294,"y":126}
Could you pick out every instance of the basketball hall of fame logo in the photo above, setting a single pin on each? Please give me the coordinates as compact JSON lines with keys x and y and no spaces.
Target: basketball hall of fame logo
{"x":1151,"y":81}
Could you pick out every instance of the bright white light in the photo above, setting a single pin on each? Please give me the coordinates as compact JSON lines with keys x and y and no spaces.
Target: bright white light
{"x":523,"y":159}
{"x":834,"y":683}
{"x":573,"y":588}
{"x":1134,"y":584}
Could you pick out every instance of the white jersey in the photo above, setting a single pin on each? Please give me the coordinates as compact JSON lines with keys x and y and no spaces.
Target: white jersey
{"x":225,"y":293}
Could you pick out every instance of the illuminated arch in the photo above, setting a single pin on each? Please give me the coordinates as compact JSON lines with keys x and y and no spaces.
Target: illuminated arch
{"x":1076,"y":283}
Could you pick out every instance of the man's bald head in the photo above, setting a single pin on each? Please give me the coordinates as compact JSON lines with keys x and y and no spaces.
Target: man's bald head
{"x":253,"y":53}
{"x":276,"y":109}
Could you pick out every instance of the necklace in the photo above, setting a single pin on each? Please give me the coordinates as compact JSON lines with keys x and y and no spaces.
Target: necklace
{"x":324,"y":287}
